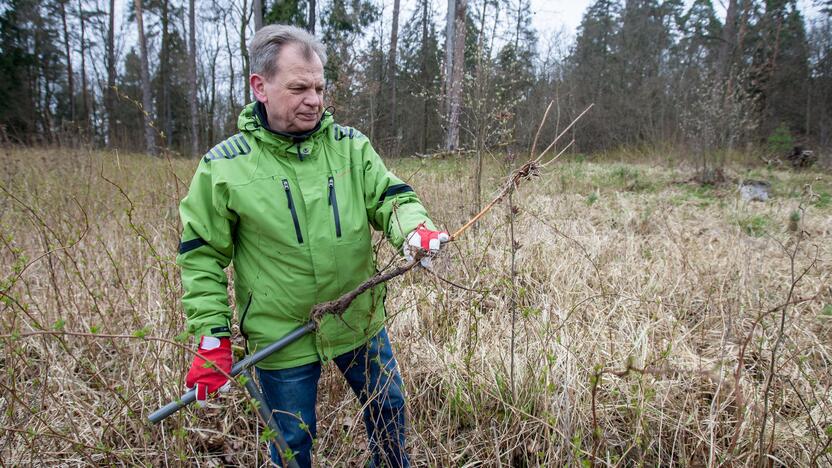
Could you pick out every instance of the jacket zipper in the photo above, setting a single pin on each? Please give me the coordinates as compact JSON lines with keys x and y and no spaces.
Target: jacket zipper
{"x":245,"y":313}
{"x":292,"y":209}
{"x":333,"y":201}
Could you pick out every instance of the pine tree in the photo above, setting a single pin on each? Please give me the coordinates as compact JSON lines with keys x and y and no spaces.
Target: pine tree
{"x":780,"y":67}
{"x":419,"y":79}
{"x":342,"y":23}
{"x":819,"y":113}
{"x":594,"y":66}
{"x":127,"y":115}
{"x":32,"y":73}
{"x":699,"y":43}
{"x":291,"y":12}
{"x":515,"y":70}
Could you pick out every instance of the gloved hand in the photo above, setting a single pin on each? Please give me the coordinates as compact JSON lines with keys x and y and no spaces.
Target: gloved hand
{"x":423,"y":238}
{"x":206,"y":378}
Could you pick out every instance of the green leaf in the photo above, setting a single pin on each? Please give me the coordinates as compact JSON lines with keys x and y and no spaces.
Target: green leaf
{"x":141,"y":332}
{"x":59,"y":324}
{"x":267,"y":435}
{"x":253,"y":404}
{"x":288,"y":454}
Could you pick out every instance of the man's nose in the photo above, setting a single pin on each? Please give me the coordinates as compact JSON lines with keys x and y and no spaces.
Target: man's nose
{"x":312,"y":98}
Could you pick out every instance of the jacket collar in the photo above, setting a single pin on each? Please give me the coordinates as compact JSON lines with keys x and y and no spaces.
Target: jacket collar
{"x":296,"y":137}
{"x":255,"y":122}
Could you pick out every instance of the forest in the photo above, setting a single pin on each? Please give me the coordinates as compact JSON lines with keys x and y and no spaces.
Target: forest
{"x":654,"y":288}
{"x":745,"y":74}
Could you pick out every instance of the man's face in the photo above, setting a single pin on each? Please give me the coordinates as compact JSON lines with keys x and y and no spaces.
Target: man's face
{"x":294,"y":95}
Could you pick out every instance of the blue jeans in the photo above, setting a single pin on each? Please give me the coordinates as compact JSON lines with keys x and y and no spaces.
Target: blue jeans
{"x":371,"y":372}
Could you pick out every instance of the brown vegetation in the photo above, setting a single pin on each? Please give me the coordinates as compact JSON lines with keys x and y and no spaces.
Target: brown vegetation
{"x":649,"y":321}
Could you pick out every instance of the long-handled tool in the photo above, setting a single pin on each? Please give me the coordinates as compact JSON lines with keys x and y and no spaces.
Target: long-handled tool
{"x":336,"y":306}
{"x":238,"y":368}
{"x":242,"y":368}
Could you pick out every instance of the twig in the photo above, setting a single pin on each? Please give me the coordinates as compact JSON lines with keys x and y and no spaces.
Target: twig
{"x":539,"y":128}
{"x":597,"y":378}
{"x":557,"y":156}
{"x":795,"y":279}
{"x":512,"y":296}
{"x":815,"y":425}
{"x":563,"y":132}
{"x":526,"y":171}
{"x":458,"y":286}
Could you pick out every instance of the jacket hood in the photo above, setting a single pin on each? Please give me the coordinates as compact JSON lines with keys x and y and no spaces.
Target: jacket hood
{"x":252,"y":120}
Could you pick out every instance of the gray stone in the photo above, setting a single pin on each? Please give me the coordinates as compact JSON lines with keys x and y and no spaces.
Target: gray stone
{"x":755,"y":190}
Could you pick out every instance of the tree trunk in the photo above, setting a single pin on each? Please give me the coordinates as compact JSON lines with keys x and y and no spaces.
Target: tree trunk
{"x":85,"y":101}
{"x":449,"y":53}
{"x":110,"y":93}
{"x":231,"y":102}
{"x":392,"y":70}
{"x":257,"y":9}
{"x":455,"y":94}
{"x":244,"y":52}
{"x":480,"y":107}
{"x":311,"y":24}
{"x":69,"y":74}
{"x":425,"y":77}
{"x":164,"y":72}
{"x":149,"y":141}
{"x":728,"y":41}
{"x":213,"y":98}
{"x":192,"y":77}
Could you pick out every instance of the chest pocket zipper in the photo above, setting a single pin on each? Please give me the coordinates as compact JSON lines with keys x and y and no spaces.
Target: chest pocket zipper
{"x":292,"y":210}
{"x":243,"y":317}
{"x":333,"y":201}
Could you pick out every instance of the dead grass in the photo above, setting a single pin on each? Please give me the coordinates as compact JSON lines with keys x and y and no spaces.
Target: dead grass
{"x":647,"y":311}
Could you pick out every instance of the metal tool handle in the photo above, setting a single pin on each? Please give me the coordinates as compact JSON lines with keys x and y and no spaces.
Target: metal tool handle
{"x":189,"y":397}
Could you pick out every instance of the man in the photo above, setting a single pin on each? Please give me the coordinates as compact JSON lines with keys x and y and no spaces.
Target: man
{"x":289,"y":200}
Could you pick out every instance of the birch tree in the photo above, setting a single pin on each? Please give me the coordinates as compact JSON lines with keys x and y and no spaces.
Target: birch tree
{"x":457,"y":74}
{"x":192,"y":81}
{"x":147,"y":99}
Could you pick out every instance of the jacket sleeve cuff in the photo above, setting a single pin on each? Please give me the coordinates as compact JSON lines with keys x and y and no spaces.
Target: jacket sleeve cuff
{"x":217,"y":329}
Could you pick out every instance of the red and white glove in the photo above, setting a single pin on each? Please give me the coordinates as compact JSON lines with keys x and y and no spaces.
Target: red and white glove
{"x":426,"y":240}
{"x":204,"y":376}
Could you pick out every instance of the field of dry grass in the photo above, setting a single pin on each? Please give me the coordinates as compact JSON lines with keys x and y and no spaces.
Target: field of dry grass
{"x":655,"y":321}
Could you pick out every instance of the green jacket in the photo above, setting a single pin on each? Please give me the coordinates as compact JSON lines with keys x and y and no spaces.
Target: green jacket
{"x":293,"y":215}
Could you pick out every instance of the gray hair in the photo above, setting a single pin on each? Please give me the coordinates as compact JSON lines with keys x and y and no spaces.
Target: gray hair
{"x":269,"y":40}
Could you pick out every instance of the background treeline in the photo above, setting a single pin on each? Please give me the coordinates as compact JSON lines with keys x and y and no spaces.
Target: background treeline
{"x":151,"y":74}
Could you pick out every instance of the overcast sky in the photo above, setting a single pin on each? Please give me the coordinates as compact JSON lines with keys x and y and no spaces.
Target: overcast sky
{"x":551,"y":15}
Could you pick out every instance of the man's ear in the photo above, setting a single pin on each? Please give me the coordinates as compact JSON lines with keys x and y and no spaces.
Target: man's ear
{"x":258,"y":85}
